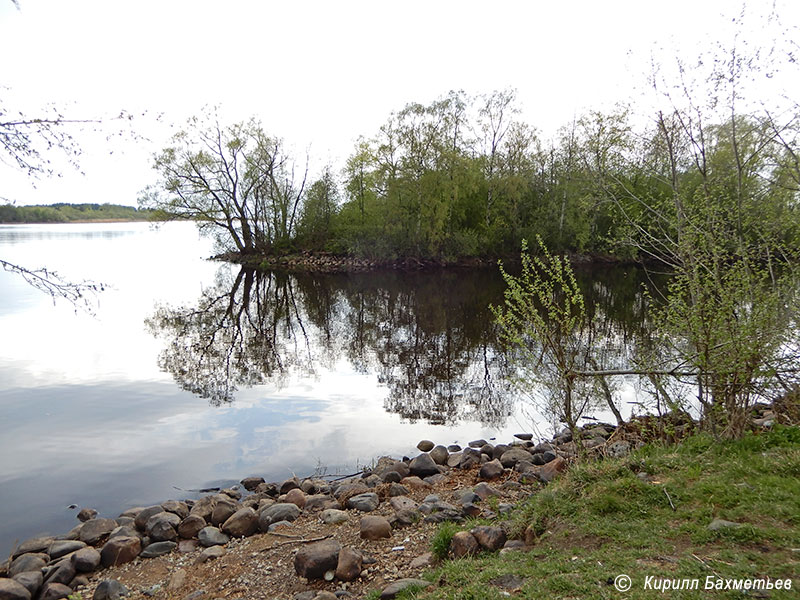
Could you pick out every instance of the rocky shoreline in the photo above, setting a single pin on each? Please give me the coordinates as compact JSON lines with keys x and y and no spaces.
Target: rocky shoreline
{"x":310,"y":538}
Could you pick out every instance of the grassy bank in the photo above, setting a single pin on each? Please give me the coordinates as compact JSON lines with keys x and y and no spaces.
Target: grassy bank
{"x":649,"y":515}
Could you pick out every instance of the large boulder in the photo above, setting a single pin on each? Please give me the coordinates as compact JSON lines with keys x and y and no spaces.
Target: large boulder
{"x":33,"y":546}
{"x":349,"y":565}
{"x":313,"y":561}
{"x":86,"y":560}
{"x":425,"y":446}
{"x":224,"y":508}
{"x":364,"y":502}
{"x":161,"y":527}
{"x":32,"y":580}
{"x":552,"y":469}
{"x":61,"y":548}
{"x":513,"y":456}
{"x":211,"y":536}
{"x":491,"y":538}
{"x":141,"y":518}
{"x":423,"y":465}
{"x":54,"y":591}
{"x":28,"y":562}
{"x":439,"y":455}
{"x":242,"y":523}
{"x":176,"y":506}
{"x":375,"y":527}
{"x":158,"y":549}
{"x":491,"y":470}
{"x":120,"y":550}
{"x":95,"y":530}
{"x":284,"y":511}
{"x":13,"y":590}
{"x":251,"y":483}
{"x":190,"y":526}
{"x":109,"y":589}
{"x":464,"y":544}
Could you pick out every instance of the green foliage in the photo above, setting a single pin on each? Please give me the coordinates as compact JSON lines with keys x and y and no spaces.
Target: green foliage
{"x":64,"y":213}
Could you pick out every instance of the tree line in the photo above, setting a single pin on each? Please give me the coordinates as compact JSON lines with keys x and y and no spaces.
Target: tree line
{"x":64,"y":213}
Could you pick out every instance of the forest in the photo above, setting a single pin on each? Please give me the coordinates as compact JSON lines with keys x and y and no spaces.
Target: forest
{"x":65,"y":213}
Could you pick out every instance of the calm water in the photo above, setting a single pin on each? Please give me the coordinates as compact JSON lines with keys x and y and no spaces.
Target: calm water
{"x":193,"y":373}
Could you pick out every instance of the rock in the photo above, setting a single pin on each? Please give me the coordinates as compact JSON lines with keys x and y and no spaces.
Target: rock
{"x":467,"y":497}
{"x":277,"y":512}
{"x":454,"y":448}
{"x":119,"y":550}
{"x":288,"y":485}
{"x":364,"y":502}
{"x":422,"y":561}
{"x":176,"y":580}
{"x":307,"y":595}
{"x":406,"y":517}
{"x":319,"y":502}
{"x":79,"y":581}
{"x":464,"y":544}
{"x":175,"y":506}
{"x":415,"y":483}
{"x":125,"y":531}
{"x":161,"y":527}
{"x":484,"y":490}
{"x":391,"y":477}
{"x":144,"y":515}
{"x":398,"y":586}
{"x":31,"y":580}
{"x":211,"y":536}
{"x":13,"y":590}
{"x":314,"y":560}
{"x":471,"y":510}
{"x":242,"y":523}
{"x":86,"y":560}
{"x":491,"y":470}
{"x":86,"y":513}
{"x":190,"y":526}
{"x":33,"y":545}
{"x":223,"y":510}
{"x":543,"y":447}
{"x":439,"y":455}
{"x":278,"y":525}
{"x":186,"y":546}
{"x":61,"y":572}
{"x":718,"y":524}
{"x":434,"y":479}
{"x":232,"y":492}
{"x":513,"y":456}
{"x":399,"y":503}
{"x":296,"y":497}
{"x":349,"y":566}
{"x":425,"y":446}
{"x":210,"y":553}
{"x":423,"y":465}
{"x":469,"y":460}
{"x":61,"y":548}
{"x":54,"y":591}
{"x":454,"y":459}
{"x":332,"y":516}
{"x":270,"y":489}
{"x":387,"y":465}
{"x":491,"y":538}
{"x":514,"y":545}
{"x":552,"y":469}
{"x":158,"y":549}
{"x":477,"y":443}
{"x":398,"y":489}
{"x":524,"y":436}
{"x":204,"y":507}
{"x":618,"y":449}
{"x":28,"y":562}
{"x":350,"y":489}
{"x":375,"y":528}
{"x":95,"y":530}
{"x":251,"y":483}
{"x":109,"y":589}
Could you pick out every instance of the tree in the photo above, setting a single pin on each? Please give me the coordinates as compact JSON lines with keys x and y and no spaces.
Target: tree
{"x":236,"y":182}
{"x":318,"y":210}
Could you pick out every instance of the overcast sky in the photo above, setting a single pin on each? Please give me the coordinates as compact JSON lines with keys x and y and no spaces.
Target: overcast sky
{"x":321,"y":73}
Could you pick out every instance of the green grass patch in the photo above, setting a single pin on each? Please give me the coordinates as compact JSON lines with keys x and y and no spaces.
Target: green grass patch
{"x":604,"y":519}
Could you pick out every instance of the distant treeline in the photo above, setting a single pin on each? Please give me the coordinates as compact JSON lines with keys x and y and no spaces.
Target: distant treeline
{"x":65,"y":213}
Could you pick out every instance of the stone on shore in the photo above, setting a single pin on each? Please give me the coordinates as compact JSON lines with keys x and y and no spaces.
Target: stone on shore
{"x":94,"y":530}
{"x":161,"y":527}
{"x":86,"y":560}
{"x":86,"y":513}
{"x":190,"y":526}
{"x":349,"y":566}
{"x":251,"y":483}
{"x":210,"y":553}
{"x":158,"y":549}
{"x":425,"y":446}
{"x":511,"y":457}
{"x":464,"y":544}
{"x":28,"y":562}
{"x":491,"y":470}
{"x":61,"y":548}
{"x":375,"y":527}
{"x":423,"y":465}
{"x":242,"y":523}
{"x":140,"y":520}
{"x":33,"y":545}
{"x":439,"y":455}
{"x":296,"y":497}
{"x":10,"y":589}
{"x":224,"y":508}
{"x":175,"y":506}
{"x":332,"y":516}
{"x":314,"y":560}
{"x":552,"y":469}
{"x":61,"y":572}
{"x":277,"y":512}
{"x":394,"y":588}
{"x":491,"y":538}
{"x":109,"y":589}
{"x":54,"y":591}
{"x":211,"y":536}
{"x":120,"y":550}
{"x":364,"y":502}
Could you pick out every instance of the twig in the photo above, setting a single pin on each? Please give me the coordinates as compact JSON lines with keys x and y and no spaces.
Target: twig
{"x":702,"y":562}
{"x":300,"y":541}
{"x":668,"y":498}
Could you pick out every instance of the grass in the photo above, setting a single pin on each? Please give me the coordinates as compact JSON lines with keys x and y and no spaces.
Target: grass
{"x":603,"y":519}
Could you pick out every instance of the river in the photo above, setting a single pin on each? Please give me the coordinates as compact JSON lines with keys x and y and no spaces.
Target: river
{"x":190,"y":373}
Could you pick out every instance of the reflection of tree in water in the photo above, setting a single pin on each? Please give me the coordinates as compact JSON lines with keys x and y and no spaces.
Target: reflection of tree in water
{"x":429,"y":337}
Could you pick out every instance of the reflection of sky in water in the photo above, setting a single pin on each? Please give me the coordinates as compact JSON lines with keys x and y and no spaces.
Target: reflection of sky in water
{"x":87,"y":417}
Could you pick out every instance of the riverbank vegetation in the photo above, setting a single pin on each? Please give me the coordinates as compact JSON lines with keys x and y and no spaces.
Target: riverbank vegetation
{"x":699,"y":509}
{"x":70,"y":213}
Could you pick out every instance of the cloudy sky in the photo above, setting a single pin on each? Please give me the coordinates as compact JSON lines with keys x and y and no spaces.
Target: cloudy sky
{"x":321,"y":73}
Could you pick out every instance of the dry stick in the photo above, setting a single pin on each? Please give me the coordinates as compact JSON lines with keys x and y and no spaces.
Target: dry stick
{"x":668,"y":498}
{"x":300,"y":541}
